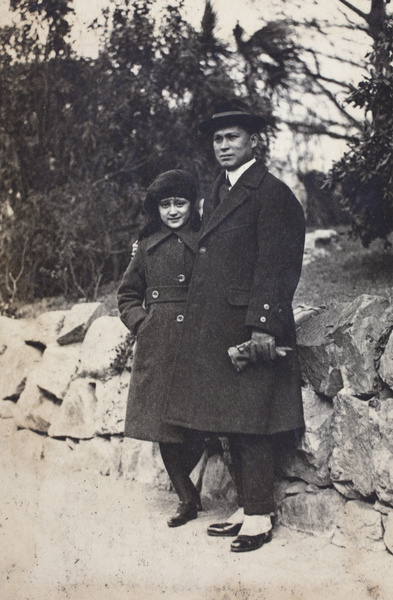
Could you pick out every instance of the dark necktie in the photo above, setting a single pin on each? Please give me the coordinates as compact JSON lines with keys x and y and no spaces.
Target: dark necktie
{"x":224,"y":189}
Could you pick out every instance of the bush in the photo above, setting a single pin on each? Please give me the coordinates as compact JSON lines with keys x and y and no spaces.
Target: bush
{"x":366,"y":171}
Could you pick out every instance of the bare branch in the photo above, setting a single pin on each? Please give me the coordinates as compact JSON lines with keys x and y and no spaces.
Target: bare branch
{"x":315,"y":129}
{"x":356,"y":10}
{"x":75,"y":281}
{"x":331,"y":96}
{"x":346,"y":61}
{"x":15,"y":279}
{"x":342,"y":84}
{"x":318,"y":75}
{"x":97,"y":285}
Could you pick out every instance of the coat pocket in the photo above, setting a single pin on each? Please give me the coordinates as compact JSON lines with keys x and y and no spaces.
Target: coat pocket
{"x":236,"y":228}
{"x":145,"y":323}
{"x":239,"y":296}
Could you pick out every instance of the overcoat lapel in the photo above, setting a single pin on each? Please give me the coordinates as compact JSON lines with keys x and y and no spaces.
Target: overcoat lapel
{"x":157,"y":237}
{"x":187,"y":235}
{"x":251,"y":179}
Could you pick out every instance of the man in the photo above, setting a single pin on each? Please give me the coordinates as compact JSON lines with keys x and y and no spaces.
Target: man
{"x":244,"y":278}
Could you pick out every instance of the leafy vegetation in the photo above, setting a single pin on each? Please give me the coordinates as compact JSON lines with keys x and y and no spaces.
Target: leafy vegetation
{"x":80,"y":140}
{"x":366,"y":171}
{"x":124,"y":354}
{"x":343,"y":272}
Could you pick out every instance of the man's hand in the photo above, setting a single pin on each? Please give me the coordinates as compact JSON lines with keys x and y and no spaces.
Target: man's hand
{"x":262,"y":347}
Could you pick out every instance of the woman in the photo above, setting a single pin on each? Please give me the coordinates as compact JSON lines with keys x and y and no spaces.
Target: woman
{"x":152,"y":300}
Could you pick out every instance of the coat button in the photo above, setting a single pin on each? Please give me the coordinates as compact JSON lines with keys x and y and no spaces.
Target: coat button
{"x":180,"y":318}
{"x":179,"y":240}
{"x":266,"y":306}
{"x":263,"y":319}
{"x":155,"y":294}
{"x":181,"y":278}
{"x":202,"y":250}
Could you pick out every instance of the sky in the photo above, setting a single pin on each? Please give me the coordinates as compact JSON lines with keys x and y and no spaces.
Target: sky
{"x":251,"y":15}
{"x":228,"y":14}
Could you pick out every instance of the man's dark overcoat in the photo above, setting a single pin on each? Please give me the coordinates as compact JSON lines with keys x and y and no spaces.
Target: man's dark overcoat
{"x":152,"y":300}
{"x":245,"y":274}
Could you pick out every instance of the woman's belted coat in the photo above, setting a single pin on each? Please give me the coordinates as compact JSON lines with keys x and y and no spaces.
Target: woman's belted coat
{"x":245,"y":274}
{"x":152,"y":301}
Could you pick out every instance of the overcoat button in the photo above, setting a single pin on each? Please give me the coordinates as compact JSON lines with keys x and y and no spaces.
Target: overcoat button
{"x":181,"y":278}
{"x":179,"y":240}
{"x":155,"y":294}
{"x":180,"y":318}
{"x":202,"y":250}
{"x":266,"y":306}
{"x":263,"y":319}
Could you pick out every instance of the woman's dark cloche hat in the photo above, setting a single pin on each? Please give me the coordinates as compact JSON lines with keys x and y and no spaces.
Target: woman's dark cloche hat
{"x":233,"y":112}
{"x":171,"y":184}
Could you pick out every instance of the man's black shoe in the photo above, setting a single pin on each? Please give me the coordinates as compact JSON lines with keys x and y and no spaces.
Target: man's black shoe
{"x":246,"y":543}
{"x":224,"y":529}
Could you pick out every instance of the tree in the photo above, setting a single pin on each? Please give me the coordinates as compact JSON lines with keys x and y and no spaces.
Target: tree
{"x":61,"y":211}
{"x":375,"y":19}
{"x":51,"y":15}
{"x":82,"y":139}
{"x":366,"y":170}
{"x":166,"y":75}
{"x":307,"y":58}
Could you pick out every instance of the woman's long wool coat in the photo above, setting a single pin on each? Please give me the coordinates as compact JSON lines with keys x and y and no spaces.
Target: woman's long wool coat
{"x":152,"y":301}
{"x":245,"y":274}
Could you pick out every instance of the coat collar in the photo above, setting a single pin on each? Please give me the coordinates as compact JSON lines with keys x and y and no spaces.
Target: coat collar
{"x":251,"y":179}
{"x":187,"y":236}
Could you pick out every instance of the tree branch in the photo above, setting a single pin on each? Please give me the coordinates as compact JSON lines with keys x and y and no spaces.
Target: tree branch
{"x":315,"y":129}
{"x":360,"y":13}
{"x":332,"y":97}
{"x":75,"y":281}
{"x":15,"y":279}
{"x":346,"y":61}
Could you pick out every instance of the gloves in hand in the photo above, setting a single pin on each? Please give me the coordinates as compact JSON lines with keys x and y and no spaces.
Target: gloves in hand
{"x":262,"y":346}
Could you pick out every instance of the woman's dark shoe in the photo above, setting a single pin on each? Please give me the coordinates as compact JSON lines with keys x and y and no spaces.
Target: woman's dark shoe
{"x":224,"y":529}
{"x":195,"y":500}
{"x":246,"y":543}
{"x":185,"y":512}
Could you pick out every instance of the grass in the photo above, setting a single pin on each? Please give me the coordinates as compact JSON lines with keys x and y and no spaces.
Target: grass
{"x":346,"y":271}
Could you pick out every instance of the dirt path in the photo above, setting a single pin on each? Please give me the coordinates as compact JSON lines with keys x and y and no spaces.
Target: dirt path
{"x":81,"y":536}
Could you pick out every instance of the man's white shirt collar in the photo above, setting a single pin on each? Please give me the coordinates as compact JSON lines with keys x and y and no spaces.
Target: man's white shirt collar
{"x":233,"y":176}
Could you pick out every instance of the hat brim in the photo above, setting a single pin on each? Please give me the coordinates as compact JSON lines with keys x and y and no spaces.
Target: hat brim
{"x":253,"y":122}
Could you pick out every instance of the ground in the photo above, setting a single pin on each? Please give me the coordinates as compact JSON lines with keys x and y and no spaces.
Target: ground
{"x":82,"y":536}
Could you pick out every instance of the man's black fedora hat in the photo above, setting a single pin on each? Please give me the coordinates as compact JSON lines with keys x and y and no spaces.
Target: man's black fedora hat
{"x":233,"y":112}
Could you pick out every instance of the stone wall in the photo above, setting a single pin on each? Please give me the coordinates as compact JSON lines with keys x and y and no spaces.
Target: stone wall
{"x":63,"y":390}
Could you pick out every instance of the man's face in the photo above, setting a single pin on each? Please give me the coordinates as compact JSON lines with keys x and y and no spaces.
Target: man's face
{"x":233,"y":146}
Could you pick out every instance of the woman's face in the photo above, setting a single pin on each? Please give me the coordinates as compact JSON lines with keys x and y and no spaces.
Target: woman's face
{"x":174,"y":212}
